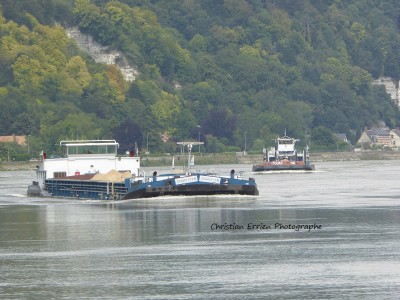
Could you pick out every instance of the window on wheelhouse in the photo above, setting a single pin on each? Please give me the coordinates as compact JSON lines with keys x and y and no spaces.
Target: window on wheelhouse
{"x":90,"y":148}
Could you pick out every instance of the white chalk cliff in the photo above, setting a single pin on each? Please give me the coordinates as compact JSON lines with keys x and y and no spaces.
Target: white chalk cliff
{"x":391,"y":86}
{"x":102,"y":54}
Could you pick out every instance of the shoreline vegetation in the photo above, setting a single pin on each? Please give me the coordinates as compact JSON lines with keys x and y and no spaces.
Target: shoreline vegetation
{"x":229,"y":158}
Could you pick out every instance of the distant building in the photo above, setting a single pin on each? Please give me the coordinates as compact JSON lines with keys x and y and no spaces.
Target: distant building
{"x":381,"y":137}
{"x":19,"y":139}
{"x":342,"y":137}
{"x":395,"y":138}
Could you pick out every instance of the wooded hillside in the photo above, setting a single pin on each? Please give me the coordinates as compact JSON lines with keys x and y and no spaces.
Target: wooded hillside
{"x":219,"y":70}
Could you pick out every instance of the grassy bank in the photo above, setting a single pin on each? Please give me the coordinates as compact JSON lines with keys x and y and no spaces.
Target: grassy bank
{"x":18,"y":165}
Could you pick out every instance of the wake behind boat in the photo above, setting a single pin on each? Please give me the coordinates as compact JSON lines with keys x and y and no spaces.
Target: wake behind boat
{"x":285,"y":157}
{"x":92,"y":170}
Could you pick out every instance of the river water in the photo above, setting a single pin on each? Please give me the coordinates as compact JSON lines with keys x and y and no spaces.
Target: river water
{"x":329,"y":234}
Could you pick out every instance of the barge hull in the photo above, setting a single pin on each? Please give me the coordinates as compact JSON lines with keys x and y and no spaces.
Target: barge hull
{"x":85,"y":189}
{"x":283,"y":168}
{"x":193,"y":190}
{"x":101,"y":190}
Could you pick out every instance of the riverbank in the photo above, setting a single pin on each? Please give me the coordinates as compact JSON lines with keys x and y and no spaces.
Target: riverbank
{"x":355,"y":155}
{"x":231,"y":158}
{"x":250,"y":159}
{"x":18,"y":166}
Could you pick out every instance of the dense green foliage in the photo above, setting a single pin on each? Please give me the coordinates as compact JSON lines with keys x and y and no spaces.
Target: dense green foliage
{"x":224,"y":71}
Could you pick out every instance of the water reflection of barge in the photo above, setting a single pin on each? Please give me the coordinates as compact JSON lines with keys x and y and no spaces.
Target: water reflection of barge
{"x":285,"y":157}
{"x":93,"y":170}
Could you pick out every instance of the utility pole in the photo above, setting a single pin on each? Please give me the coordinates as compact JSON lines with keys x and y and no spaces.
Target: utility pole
{"x":199,"y":127}
{"x":199,"y":141}
{"x":245,"y":142}
{"x":147,"y":143}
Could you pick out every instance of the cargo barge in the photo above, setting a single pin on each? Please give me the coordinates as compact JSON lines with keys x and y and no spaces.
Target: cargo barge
{"x":92,"y":169}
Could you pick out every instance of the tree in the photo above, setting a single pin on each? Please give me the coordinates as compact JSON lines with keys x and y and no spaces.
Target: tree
{"x":322,"y":137}
{"x":213,"y":145}
{"x":165,"y":110}
{"x":220,"y":123}
{"x":292,"y":46}
{"x":93,"y":21}
{"x":29,"y":73}
{"x":77,"y":70}
{"x":73,"y":126}
{"x":10,"y":106}
{"x":99,"y":96}
{"x":186,"y":126}
{"x":127,"y":133}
